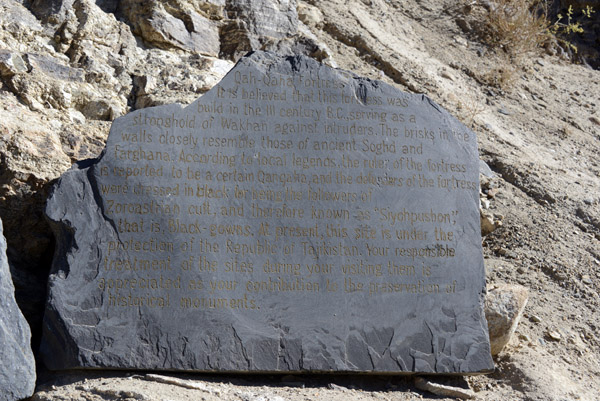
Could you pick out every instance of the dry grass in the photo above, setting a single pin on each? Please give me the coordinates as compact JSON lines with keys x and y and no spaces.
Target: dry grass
{"x":519,"y":27}
{"x":514,"y":29}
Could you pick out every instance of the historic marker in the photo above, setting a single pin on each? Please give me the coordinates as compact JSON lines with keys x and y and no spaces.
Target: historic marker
{"x":294,"y":218}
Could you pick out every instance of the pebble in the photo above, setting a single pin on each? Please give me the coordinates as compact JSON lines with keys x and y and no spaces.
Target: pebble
{"x":463,"y":24}
{"x":540,"y":62}
{"x":333,"y":386}
{"x":554,"y":335}
{"x":447,"y":75}
{"x":595,"y":120}
{"x":525,"y":338}
{"x":460,"y":40}
{"x":535,"y":318}
{"x":502,"y":111}
{"x":507,"y":253}
{"x":586,"y":279}
{"x":492,"y":192}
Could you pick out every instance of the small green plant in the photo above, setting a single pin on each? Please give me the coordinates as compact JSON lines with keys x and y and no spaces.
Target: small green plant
{"x":562,"y":30}
{"x":518,"y":28}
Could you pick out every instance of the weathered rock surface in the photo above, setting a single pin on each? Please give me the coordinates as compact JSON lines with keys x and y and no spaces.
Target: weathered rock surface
{"x":504,"y":306}
{"x":125,"y":292}
{"x":266,"y":19}
{"x":17,"y":376}
{"x":179,"y":25}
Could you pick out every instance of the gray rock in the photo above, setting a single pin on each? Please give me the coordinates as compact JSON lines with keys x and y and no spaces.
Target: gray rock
{"x":274,"y":19}
{"x":24,"y":190}
{"x":294,"y":218}
{"x":485,"y":169}
{"x":463,"y":24}
{"x":101,"y":110}
{"x":168,"y":27}
{"x":54,"y":12}
{"x":54,"y":68}
{"x":256,"y":25}
{"x":98,"y":52}
{"x":19,"y":22}
{"x":17,"y":376}
{"x":236,"y":39}
{"x":11,"y":63}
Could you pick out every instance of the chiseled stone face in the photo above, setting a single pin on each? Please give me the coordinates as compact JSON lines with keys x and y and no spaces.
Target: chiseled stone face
{"x":294,"y":218}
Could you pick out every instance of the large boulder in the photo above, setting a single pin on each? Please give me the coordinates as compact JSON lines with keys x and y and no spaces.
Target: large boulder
{"x":17,"y":376}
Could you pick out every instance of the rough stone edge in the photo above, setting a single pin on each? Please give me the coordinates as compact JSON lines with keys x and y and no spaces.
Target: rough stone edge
{"x":24,"y":374}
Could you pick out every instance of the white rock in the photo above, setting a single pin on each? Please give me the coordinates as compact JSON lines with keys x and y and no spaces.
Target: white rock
{"x":504,"y":306}
{"x":443,"y":390}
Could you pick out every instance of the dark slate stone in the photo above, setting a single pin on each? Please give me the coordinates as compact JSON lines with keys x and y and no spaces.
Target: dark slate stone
{"x":17,"y":376}
{"x":294,"y":218}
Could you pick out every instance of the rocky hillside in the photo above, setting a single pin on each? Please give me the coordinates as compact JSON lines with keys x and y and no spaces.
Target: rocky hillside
{"x":69,"y":67}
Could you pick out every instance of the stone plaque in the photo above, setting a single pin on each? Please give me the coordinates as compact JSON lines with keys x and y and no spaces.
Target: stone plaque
{"x":294,"y":218}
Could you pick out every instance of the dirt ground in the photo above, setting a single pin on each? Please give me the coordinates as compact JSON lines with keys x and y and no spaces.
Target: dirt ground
{"x":540,"y":137}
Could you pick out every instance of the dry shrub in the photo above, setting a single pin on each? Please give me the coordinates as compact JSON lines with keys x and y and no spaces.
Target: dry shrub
{"x":515,"y":29}
{"x":505,"y":72}
{"x":468,"y":110}
{"x":519,"y":27}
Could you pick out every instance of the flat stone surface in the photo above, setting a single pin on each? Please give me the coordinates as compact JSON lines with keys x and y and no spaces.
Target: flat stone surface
{"x":294,"y":218}
{"x":17,"y":375}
